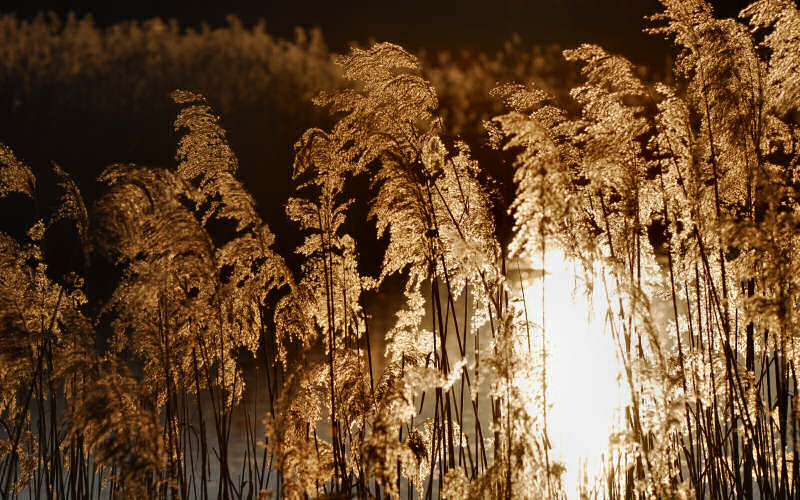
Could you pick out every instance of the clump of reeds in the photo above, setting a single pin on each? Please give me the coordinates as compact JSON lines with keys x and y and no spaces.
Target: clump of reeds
{"x":686,"y":196}
{"x":682,"y":196}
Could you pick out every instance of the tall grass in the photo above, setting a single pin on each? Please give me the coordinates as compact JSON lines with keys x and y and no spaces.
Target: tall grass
{"x":697,"y":180}
{"x":681,"y":195}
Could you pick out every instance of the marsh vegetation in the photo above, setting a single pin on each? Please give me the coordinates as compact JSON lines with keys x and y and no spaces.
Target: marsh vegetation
{"x":159,"y":338}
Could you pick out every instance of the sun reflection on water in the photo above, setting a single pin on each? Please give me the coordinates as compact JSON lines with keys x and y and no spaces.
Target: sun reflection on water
{"x":583,"y":390}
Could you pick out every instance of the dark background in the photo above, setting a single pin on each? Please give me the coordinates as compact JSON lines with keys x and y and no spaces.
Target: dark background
{"x":615,"y":24}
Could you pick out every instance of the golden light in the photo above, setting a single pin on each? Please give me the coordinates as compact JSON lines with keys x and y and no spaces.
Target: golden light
{"x":583,"y":392}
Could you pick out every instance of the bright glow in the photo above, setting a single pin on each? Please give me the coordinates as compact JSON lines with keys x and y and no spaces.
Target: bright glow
{"x":583,"y":393}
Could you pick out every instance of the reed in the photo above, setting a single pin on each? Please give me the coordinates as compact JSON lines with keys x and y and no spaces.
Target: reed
{"x":678,"y":197}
